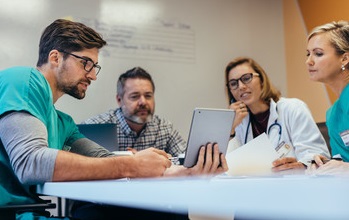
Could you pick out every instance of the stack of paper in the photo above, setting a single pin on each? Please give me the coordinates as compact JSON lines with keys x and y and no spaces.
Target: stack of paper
{"x":252,"y":159}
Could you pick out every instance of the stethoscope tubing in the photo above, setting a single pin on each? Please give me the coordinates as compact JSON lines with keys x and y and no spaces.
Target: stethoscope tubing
{"x":268,"y":131}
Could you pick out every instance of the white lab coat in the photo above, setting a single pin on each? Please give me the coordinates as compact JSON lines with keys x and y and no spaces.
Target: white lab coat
{"x":299,"y":130}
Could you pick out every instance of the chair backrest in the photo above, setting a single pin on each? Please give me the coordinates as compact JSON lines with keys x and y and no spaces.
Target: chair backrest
{"x":9,"y":211}
{"x":103,"y":134}
{"x":323,"y":129}
{"x":15,"y":197}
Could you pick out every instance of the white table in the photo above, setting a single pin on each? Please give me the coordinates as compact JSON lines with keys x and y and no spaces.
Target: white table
{"x":291,"y":197}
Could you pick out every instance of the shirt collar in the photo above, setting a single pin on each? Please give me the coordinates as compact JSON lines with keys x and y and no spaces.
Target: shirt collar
{"x":123,"y":124}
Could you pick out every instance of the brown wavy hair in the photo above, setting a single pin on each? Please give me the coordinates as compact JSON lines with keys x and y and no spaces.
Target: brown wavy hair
{"x":69,"y":36}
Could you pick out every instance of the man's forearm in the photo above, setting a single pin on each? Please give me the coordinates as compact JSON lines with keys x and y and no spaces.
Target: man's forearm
{"x":70,"y":167}
{"x":25,"y":140}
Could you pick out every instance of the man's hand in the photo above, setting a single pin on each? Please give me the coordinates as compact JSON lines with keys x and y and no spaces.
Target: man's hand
{"x":150,"y":162}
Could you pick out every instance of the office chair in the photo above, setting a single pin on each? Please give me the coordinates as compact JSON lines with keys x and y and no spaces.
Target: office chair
{"x":9,"y":211}
{"x":9,"y":184}
{"x":324,"y":131}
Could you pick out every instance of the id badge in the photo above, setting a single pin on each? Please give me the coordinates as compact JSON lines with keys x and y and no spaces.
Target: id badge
{"x":283,"y":149}
{"x":345,"y":137}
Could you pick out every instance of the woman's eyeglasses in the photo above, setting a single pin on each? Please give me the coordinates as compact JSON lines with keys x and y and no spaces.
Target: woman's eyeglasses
{"x":245,"y":79}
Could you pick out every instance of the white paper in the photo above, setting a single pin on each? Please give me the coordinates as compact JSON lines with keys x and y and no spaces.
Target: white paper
{"x":252,"y":159}
{"x":123,"y":153}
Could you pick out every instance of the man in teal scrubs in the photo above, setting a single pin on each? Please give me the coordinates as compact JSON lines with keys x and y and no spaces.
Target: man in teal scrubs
{"x":41,"y":144}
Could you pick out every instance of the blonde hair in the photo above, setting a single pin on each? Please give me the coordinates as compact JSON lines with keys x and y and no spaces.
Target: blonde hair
{"x":338,"y":32}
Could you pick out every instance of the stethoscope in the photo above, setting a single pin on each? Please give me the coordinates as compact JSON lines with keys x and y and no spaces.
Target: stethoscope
{"x":275,"y":124}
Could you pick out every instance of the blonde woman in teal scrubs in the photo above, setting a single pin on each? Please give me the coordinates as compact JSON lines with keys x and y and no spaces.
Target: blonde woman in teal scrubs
{"x":327,"y":62}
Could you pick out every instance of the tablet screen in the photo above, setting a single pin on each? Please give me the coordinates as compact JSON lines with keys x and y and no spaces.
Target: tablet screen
{"x":208,"y":125}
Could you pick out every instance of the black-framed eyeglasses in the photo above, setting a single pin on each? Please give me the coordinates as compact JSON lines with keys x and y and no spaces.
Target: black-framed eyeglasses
{"x":245,"y":79}
{"x":87,"y":62}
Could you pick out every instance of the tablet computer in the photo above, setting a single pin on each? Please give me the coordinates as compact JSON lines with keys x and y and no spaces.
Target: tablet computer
{"x":208,"y":125}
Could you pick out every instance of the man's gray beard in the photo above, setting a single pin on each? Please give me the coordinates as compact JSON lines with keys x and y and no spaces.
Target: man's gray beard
{"x":138,"y":120}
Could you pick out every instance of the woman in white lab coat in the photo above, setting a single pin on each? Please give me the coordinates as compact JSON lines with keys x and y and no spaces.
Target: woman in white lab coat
{"x":260,"y":108}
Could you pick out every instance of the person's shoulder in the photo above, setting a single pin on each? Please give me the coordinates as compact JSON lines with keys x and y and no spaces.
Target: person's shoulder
{"x":345,"y":90}
{"x":17,"y":69}
{"x":293,"y":107}
{"x":22,"y":76}
{"x":290,"y":101}
{"x":103,"y":118}
{"x":64,"y":116}
{"x":16,"y":74}
{"x":161,"y":121}
{"x":25,"y":88}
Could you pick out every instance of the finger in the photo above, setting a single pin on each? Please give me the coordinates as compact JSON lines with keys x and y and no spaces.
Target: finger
{"x":289,"y":166}
{"x":216,"y":158}
{"x":284,"y":160}
{"x":223,"y":163}
{"x":168,"y":163}
{"x":165,"y":161}
{"x":290,"y":160}
{"x":319,"y":159}
{"x":131,"y":149}
{"x":208,"y":158}
{"x":279,"y":168}
{"x":236,"y":105}
{"x":296,"y":165}
{"x":278,"y":162}
{"x":232,"y":106}
{"x":201,"y":158}
{"x":161,"y":152}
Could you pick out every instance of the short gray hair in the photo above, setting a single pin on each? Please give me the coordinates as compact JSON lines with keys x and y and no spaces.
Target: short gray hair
{"x":134,"y":73}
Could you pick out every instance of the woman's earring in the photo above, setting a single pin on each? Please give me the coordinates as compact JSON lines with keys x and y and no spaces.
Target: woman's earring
{"x":343,"y":67}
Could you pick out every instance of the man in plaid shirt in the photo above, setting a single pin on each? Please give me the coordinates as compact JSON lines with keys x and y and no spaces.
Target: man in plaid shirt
{"x":138,"y":127}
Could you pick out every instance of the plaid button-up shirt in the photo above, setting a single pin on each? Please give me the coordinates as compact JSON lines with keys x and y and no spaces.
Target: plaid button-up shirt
{"x":159,"y":133}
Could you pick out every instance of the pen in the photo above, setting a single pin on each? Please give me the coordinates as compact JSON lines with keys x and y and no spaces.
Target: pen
{"x":174,"y":160}
{"x":325,"y":161}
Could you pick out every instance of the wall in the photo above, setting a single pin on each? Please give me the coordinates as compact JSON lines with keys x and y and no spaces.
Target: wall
{"x":196,"y":39}
{"x":298,"y":82}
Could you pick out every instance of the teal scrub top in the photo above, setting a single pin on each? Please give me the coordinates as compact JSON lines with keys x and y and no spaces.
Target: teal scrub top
{"x":26,"y":89}
{"x":337,"y":121}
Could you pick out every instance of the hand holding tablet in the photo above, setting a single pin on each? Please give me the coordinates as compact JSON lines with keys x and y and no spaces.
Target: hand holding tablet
{"x":208,"y":126}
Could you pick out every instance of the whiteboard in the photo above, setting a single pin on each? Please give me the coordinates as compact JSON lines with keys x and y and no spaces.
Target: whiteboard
{"x":184,"y":44}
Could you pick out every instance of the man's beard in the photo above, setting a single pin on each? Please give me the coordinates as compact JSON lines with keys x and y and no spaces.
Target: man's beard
{"x":71,"y":89}
{"x":136,"y":119}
